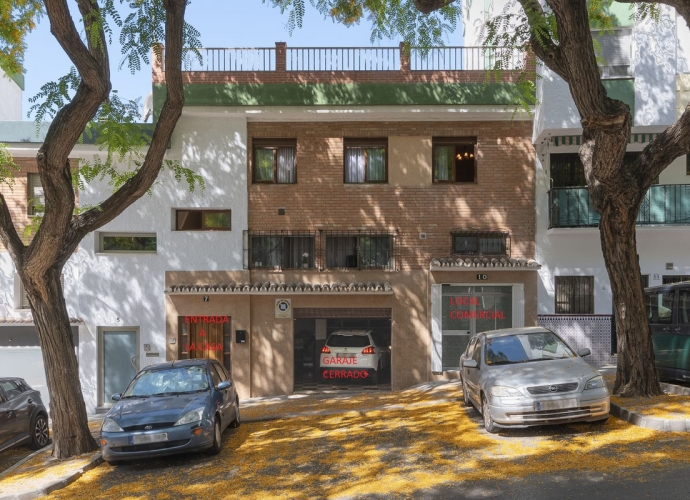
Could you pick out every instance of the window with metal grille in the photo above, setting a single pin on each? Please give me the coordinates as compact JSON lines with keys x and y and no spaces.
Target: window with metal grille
{"x":366,"y":160}
{"x":454,"y":159}
{"x":24,"y":298}
{"x":360,"y":250}
{"x":574,"y":294}
{"x":280,"y":250}
{"x":274,"y":161}
{"x":480,"y":243}
{"x":35,"y":197}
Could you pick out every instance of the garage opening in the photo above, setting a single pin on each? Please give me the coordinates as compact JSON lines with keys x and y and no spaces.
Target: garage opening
{"x":349,"y":364}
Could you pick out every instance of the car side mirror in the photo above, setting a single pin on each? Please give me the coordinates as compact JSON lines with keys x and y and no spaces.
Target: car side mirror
{"x":226,"y":384}
{"x":116,"y":397}
{"x":470,"y":363}
{"x":584,"y":351}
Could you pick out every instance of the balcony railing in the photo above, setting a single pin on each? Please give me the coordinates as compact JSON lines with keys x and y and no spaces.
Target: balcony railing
{"x":664,"y":204}
{"x":292,"y":59}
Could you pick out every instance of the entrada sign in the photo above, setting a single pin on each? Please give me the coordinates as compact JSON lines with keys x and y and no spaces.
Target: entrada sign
{"x":206,"y":319}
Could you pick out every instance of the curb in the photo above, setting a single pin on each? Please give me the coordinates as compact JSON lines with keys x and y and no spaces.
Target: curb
{"x":57,"y":483}
{"x":654,"y":423}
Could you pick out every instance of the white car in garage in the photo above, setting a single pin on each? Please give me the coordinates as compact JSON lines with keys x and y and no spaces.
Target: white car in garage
{"x":353,"y":356}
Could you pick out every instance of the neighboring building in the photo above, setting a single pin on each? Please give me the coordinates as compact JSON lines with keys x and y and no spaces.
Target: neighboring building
{"x":11,"y":87}
{"x":646,"y":66}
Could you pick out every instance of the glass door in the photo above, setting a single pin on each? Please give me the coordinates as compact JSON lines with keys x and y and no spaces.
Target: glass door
{"x":119,"y":362}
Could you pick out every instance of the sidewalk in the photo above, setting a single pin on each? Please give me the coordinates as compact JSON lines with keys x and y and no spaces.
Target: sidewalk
{"x":39,"y":473}
{"x":669,"y":412}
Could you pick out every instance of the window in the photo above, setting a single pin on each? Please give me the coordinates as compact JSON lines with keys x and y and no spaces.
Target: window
{"x":360,"y":251}
{"x":567,"y":169}
{"x":687,"y":164}
{"x":454,"y":159}
{"x":202,"y":220}
{"x":117,"y":242}
{"x":36,"y":198}
{"x":679,"y":278}
{"x":24,"y":298}
{"x":366,"y":160}
{"x":279,"y":250}
{"x":684,"y":306}
{"x":660,"y":306}
{"x":11,"y":389}
{"x":574,"y":294}
{"x":614,"y":58}
{"x":481,"y":243}
{"x":274,"y":161}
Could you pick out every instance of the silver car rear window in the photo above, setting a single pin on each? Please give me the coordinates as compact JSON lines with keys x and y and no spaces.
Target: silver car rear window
{"x":339,"y":340}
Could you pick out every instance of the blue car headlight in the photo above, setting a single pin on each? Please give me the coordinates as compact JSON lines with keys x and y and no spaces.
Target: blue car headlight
{"x":109,"y":425}
{"x":191,"y":416}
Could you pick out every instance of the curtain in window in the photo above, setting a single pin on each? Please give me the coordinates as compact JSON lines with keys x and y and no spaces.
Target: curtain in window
{"x":265,"y":252}
{"x":443,"y":163}
{"x":298,"y":252}
{"x":376,"y":164}
{"x":354,"y":165}
{"x":286,"y":166}
{"x":264,"y":164}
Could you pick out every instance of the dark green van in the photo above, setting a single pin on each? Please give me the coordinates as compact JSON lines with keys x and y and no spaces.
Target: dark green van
{"x":668,"y":310}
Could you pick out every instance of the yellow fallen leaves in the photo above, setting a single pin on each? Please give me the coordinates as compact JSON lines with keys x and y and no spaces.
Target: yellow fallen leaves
{"x":391,"y":444}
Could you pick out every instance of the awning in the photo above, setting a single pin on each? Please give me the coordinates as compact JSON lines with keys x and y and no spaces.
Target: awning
{"x":483,"y":263}
{"x":282,"y":288}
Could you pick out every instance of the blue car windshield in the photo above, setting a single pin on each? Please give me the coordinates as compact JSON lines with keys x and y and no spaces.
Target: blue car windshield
{"x":168,"y":381}
{"x":523,"y":348}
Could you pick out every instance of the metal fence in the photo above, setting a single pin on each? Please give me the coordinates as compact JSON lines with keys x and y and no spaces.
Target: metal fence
{"x":343,"y":59}
{"x":464,"y":58}
{"x":234,"y":59}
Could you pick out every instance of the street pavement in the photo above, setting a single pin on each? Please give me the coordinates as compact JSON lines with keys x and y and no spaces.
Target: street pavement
{"x":413,"y":444}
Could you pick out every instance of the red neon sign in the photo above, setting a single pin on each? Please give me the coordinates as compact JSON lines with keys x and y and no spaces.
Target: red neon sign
{"x":456,"y":314}
{"x":345,"y":374}
{"x":206,"y":319}
{"x":464,"y":301}
{"x":203,"y":346}
{"x":337,"y":360}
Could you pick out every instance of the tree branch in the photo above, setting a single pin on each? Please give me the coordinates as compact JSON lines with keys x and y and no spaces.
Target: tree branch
{"x":8,"y":233}
{"x":137,"y":186}
{"x":542,"y":44}
{"x":429,"y":6}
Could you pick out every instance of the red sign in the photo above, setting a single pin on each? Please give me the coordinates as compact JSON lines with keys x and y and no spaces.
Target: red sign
{"x":345,"y":374}
{"x":337,"y":360}
{"x":206,"y":319}
{"x":457,"y":314}
{"x":464,"y":301}
{"x":203,"y":346}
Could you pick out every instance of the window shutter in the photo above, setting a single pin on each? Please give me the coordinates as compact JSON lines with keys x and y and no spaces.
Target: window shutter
{"x":24,"y":302}
{"x":615,"y":48}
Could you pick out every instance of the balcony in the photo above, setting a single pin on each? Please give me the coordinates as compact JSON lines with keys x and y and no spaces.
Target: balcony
{"x":663,"y":205}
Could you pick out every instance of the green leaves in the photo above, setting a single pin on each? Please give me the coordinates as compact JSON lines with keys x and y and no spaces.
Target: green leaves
{"x":17,"y":19}
{"x":388,"y":18}
{"x":7,"y":166}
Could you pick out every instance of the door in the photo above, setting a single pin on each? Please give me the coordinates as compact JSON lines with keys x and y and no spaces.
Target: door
{"x":205,"y":337}
{"x":6,"y":422}
{"x":218,"y":375}
{"x":471,"y":375}
{"x":119,"y":361}
{"x":660,"y":313}
{"x":11,"y":412}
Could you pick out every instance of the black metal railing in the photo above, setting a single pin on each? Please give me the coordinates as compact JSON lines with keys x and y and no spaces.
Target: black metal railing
{"x":343,"y":59}
{"x":479,"y":243}
{"x":465,"y":58}
{"x":342,"y":250}
{"x":231,"y":59}
{"x":663,"y":204}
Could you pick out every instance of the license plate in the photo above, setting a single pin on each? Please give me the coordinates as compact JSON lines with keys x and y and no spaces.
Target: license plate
{"x":556,"y":405}
{"x":148,"y":438}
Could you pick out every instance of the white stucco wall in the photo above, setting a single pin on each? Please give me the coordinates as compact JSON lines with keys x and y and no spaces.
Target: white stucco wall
{"x":127,"y":289}
{"x":11,"y":102}
{"x":577,"y":251}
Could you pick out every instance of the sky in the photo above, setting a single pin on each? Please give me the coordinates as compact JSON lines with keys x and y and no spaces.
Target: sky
{"x":222,"y":23}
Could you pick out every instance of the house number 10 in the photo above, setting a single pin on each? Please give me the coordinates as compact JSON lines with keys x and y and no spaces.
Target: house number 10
{"x":482,"y":277}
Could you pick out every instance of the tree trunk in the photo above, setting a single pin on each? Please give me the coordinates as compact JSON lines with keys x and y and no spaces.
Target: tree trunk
{"x":635,"y":373}
{"x":71,"y":435}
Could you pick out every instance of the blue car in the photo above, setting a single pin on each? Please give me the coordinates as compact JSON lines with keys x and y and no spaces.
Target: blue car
{"x":171,"y":408}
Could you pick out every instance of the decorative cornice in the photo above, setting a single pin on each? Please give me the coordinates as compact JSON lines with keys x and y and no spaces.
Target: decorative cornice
{"x":497,"y":263}
{"x":281,"y":288}
{"x":29,"y":320}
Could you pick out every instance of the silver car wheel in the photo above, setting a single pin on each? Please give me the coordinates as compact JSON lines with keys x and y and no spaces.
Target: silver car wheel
{"x":486,"y":416}
{"x":41,"y":432}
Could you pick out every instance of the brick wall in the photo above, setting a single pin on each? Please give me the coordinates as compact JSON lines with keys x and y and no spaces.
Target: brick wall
{"x":16,"y":196}
{"x":501,"y":199}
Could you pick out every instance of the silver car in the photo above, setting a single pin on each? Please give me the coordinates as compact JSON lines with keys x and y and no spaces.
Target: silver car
{"x":519,"y":377}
